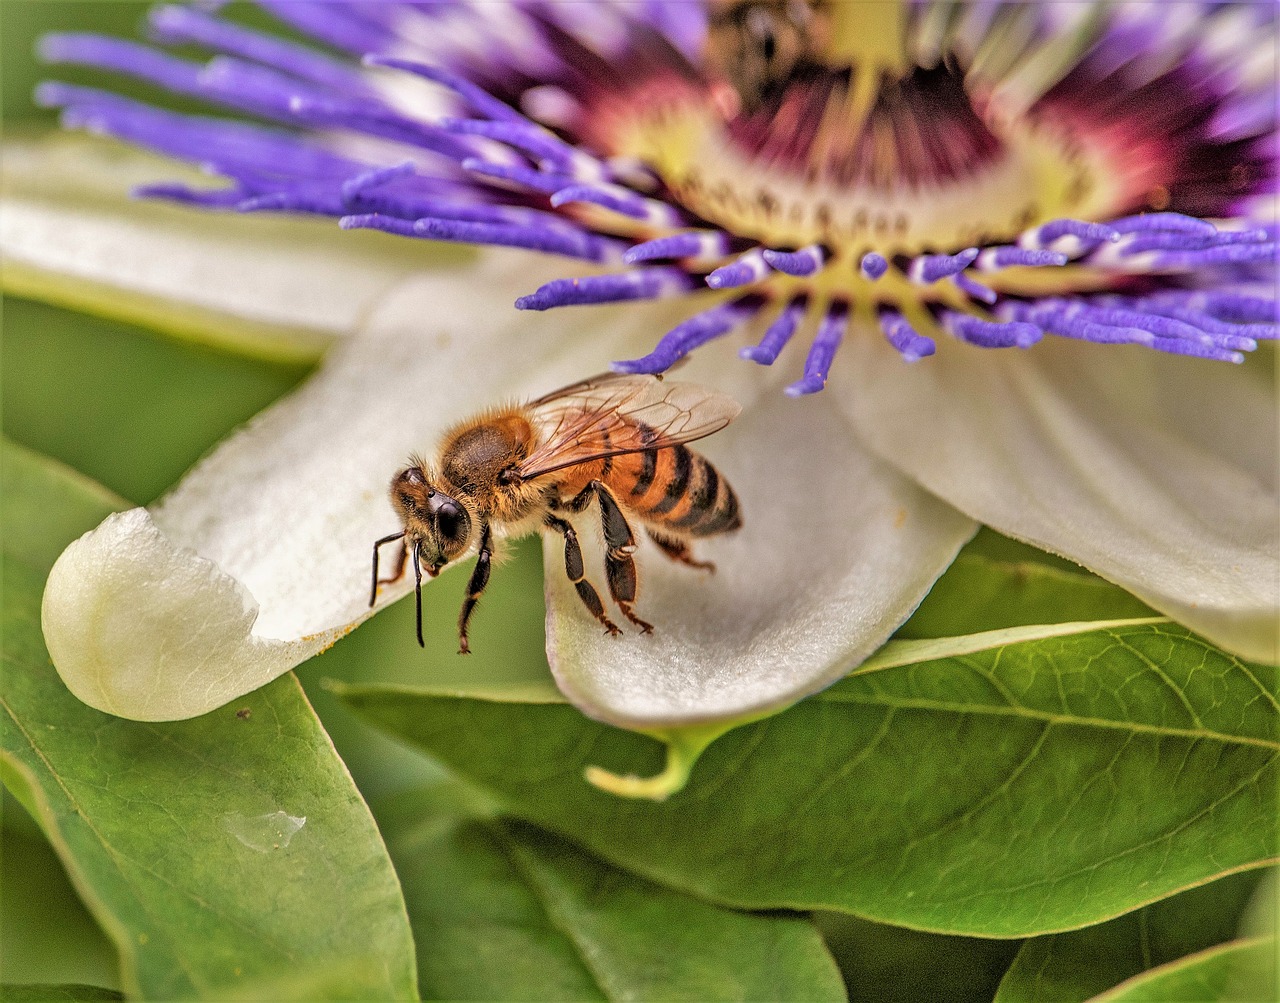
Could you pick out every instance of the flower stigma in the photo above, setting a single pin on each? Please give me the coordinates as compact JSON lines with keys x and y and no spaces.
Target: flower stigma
{"x":990,"y":173}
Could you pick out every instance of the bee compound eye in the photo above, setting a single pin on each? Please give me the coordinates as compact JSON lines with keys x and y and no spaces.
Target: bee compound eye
{"x":452,"y":521}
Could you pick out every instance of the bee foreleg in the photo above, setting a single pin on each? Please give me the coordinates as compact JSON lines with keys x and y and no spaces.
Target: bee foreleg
{"x":401,"y":557}
{"x":619,"y":565}
{"x":475,"y":587}
{"x":577,"y":573}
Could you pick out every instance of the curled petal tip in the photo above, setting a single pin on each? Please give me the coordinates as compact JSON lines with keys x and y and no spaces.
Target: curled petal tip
{"x":147,"y":630}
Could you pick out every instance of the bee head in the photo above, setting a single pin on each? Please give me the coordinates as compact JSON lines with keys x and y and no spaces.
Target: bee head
{"x":756,"y":45}
{"x":437,"y":526}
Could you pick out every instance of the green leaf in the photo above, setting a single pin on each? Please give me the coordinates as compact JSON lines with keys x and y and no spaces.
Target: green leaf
{"x":1036,"y":786}
{"x":980,"y":593}
{"x":43,"y":992}
{"x":507,"y":911}
{"x":214,"y":852}
{"x":1242,"y":971}
{"x":1068,"y":967}
{"x":46,"y":934}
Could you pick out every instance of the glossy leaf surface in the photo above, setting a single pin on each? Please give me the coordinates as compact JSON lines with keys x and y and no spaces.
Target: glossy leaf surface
{"x":1242,"y":970}
{"x":507,"y":911}
{"x":981,"y":592}
{"x":1075,"y":966}
{"x":1027,"y":788}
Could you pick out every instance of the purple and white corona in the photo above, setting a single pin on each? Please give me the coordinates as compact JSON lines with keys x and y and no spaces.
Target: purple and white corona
{"x":995,"y":173}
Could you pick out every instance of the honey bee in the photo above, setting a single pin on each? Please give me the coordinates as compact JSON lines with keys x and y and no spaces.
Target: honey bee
{"x":613,"y":439}
{"x":758,"y":45}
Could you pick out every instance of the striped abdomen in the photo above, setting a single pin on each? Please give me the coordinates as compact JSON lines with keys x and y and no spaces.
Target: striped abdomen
{"x":675,"y":489}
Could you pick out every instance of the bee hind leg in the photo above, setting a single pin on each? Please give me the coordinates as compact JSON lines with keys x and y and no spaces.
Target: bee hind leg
{"x":619,"y":565}
{"x":679,"y":551}
{"x":577,"y":573}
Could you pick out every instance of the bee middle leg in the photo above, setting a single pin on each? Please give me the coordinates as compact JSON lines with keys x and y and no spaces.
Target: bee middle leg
{"x":577,"y":573}
{"x":619,"y":565}
{"x":475,"y":588}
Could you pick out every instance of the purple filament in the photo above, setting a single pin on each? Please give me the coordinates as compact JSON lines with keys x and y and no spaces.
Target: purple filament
{"x":229,"y":146}
{"x":548,"y":240}
{"x":1055,"y":229}
{"x":991,"y":334}
{"x":617,"y":199}
{"x":248,"y":87}
{"x":129,"y":58}
{"x":334,"y":23}
{"x":930,"y":268}
{"x":1241,"y":308}
{"x":324,"y":201}
{"x":873,"y":266}
{"x":524,"y":136}
{"x":817,"y":364}
{"x":1159,"y":326}
{"x":518,"y":176}
{"x":376,"y":221}
{"x":1162,"y":221}
{"x":1230,"y":254}
{"x":693,"y":333}
{"x":641,"y":284}
{"x":910,"y":343}
{"x":1102,"y":326}
{"x":976,"y":290}
{"x":219,"y":199}
{"x":702,"y":244}
{"x":995,"y":258}
{"x":778,"y":334}
{"x":800,"y":263}
{"x":173,"y":24}
{"x":361,"y":183}
{"x":1205,"y":322}
{"x":327,"y":112}
{"x":747,"y":269}
{"x":477,"y":97}
{"x":1182,"y":241}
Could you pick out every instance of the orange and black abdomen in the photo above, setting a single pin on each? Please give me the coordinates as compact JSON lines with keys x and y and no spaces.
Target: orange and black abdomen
{"x":674,"y":489}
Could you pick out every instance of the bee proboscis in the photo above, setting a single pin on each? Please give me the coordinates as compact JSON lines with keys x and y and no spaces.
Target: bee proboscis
{"x":614,"y":440}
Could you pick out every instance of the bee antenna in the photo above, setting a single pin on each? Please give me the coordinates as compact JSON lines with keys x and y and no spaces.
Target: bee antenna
{"x":373,"y":589}
{"x":417,"y":589}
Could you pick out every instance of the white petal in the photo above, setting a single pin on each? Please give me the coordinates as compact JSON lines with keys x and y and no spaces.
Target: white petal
{"x":261,"y":283}
{"x":1156,"y":472}
{"x":265,"y":544}
{"x":835,"y":552}
{"x":123,"y":629}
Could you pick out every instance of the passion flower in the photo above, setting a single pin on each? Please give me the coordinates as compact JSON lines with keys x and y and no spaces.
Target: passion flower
{"x":1089,"y":184}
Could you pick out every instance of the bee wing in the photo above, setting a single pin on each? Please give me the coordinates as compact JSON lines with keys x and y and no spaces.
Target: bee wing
{"x":614,"y":413}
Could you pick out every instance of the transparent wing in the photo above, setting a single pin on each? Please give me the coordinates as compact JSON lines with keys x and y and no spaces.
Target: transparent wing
{"x":614,"y":413}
